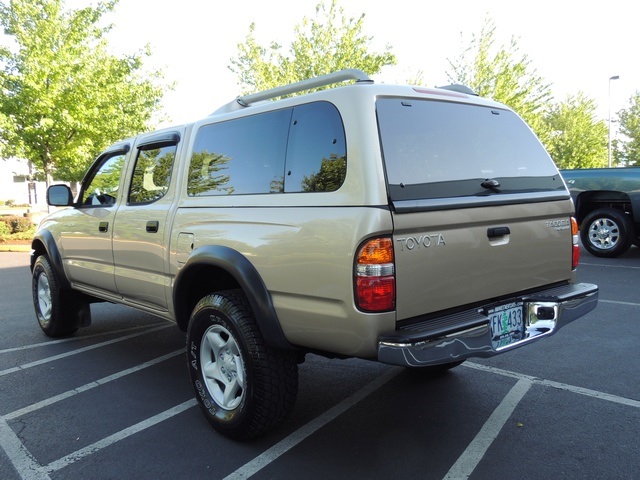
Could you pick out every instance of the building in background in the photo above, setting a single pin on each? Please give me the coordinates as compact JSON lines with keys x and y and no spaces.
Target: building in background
{"x":19,"y":186}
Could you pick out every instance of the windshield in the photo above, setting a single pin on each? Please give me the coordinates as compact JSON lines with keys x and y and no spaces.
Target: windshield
{"x":435,"y":149}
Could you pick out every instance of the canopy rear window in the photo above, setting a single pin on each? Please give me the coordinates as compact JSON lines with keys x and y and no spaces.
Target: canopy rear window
{"x":437,"y":150}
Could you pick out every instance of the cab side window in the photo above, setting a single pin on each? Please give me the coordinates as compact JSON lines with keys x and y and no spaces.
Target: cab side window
{"x":151,"y":174}
{"x":242,"y":156}
{"x":299,"y":149}
{"x":316,"y":152}
{"x":102,"y":189}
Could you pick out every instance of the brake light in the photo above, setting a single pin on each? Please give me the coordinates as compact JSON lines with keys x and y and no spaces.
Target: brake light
{"x":575,"y":257}
{"x":375,"y":281}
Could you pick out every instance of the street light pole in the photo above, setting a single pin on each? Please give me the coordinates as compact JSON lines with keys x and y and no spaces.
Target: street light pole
{"x":615,"y":77}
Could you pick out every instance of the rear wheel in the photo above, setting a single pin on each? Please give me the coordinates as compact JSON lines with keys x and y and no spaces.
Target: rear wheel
{"x":606,"y":232}
{"x":58,"y":314}
{"x":243,"y":387}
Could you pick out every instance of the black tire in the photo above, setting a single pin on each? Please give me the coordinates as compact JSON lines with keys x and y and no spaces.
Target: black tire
{"x":243,"y":387}
{"x":606,"y":232}
{"x":58,"y":316}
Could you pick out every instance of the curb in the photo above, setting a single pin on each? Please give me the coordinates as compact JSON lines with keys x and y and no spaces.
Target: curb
{"x":15,"y":248}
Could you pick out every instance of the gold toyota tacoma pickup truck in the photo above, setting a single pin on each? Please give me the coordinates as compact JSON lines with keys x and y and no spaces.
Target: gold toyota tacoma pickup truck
{"x":412,"y":226}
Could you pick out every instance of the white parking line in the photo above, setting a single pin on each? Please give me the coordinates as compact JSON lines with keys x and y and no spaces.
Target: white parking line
{"x":631,"y":267}
{"x":77,"y":351}
{"x":561,"y":386}
{"x":21,"y":459}
{"x":89,"y":386}
{"x":116,"y":437}
{"x":631,"y":304}
{"x":28,"y":468}
{"x":270,"y":455}
{"x":474,"y":452}
{"x":74,"y":339}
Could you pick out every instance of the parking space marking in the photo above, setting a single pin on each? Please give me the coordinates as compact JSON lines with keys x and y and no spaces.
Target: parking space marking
{"x":618,"y":302}
{"x":70,"y":393}
{"x":74,"y":339}
{"x":629,"y":402}
{"x":591,"y":393}
{"x":286,"y":444}
{"x":116,"y":437}
{"x":79,"y":350}
{"x":609,"y":266}
{"x":21,"y":459}
{"x":475,"y":451}
{"x":28,"y":467}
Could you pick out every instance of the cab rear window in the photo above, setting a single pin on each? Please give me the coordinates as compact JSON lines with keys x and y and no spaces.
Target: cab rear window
{"x":436,"y":149}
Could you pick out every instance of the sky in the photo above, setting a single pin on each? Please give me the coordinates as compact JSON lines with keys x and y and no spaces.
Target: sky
{"x":576,"y":46}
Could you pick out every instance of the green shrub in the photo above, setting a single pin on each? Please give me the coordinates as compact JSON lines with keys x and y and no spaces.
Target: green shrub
{"x":5,"y":230}
{"x":26,"y":235}
{"x":17,"y":224}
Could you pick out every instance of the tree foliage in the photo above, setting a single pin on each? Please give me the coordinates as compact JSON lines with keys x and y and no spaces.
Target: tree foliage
{"x":326,"y":43}
{"x":576,"y":139}
{"x":502,"y":73}
{"x":628,"y":152}
{"x":64,"y":96}
{"x":568,"y":130}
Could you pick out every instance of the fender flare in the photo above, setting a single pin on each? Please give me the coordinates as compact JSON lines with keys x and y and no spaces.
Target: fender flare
{"x":249,"y":280}
{"x":45,"y":238}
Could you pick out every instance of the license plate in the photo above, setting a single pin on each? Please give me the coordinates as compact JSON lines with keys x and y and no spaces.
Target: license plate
{"x":507,"y":325}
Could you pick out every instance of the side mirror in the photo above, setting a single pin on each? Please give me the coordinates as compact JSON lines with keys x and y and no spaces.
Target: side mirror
{"x":59,"y":196}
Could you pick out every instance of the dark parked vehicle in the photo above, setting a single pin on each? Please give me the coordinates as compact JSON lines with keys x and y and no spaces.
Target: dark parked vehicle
{"x":607,"y":202}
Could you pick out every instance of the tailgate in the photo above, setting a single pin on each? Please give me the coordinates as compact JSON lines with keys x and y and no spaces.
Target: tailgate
{"x":447,"y":259}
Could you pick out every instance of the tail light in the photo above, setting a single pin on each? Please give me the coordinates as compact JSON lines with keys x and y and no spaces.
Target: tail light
{"x":575,"y":257}
{"x":375,"y":280}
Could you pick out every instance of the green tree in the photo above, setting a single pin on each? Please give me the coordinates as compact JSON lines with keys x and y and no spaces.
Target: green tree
{"x":63,"y":96}
{"x":504,"y":74}
{"x":627,"y":152}
{"x":577,"y":139}
{"x":326,"y":43}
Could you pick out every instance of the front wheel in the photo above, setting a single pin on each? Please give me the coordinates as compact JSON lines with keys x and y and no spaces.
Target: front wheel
{"x":58,"y":316}
{"x":606,"y":232}
{"x":244,"y":388}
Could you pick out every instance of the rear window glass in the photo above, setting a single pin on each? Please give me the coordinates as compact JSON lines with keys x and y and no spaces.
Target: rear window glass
{"x":435,"y":149}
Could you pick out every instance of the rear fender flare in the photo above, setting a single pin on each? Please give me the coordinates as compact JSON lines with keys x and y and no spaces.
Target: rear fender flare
{"x":246,"y":277}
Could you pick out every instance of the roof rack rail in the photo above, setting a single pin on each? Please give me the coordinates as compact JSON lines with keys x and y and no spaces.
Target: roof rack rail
{"x":320,"y":81}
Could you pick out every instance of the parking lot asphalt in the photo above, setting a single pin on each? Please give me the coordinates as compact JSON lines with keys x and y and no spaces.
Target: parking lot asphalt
{"x":114,"y":402}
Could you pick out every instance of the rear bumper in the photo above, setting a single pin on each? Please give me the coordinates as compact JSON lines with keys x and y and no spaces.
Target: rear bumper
{"x":453,"y":338}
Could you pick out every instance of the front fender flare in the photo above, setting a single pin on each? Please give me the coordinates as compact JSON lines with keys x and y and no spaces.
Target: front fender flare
{"x":45,"y":238}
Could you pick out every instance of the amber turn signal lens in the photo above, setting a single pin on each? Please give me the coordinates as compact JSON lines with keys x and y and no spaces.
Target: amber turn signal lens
{"x":376,"y":251}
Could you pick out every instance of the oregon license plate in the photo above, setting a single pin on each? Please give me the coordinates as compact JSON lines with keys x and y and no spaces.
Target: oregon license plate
{"x":507,"y":324}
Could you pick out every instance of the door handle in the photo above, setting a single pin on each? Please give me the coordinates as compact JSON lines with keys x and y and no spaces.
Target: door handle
{"x":103,"y":227}
{"x":498,"y":232}
{"x":152,"y":226}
